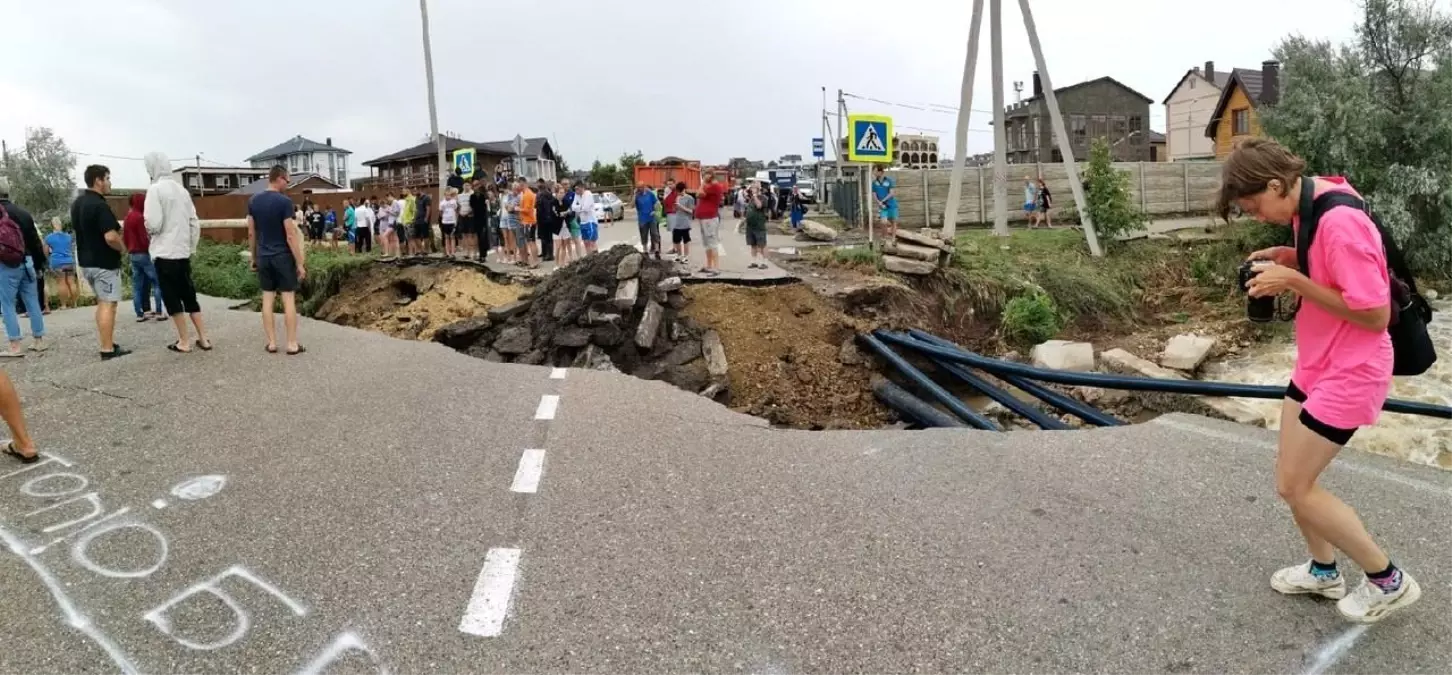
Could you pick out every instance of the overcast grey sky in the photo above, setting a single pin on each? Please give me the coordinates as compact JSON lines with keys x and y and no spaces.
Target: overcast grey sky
{"x":227,"y":79}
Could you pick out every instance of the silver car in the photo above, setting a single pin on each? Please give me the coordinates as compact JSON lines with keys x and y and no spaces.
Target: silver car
{"x":608,"y":207}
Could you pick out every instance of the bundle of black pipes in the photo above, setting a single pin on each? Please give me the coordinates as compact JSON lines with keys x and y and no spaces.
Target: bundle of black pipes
{"x":955,"y":360}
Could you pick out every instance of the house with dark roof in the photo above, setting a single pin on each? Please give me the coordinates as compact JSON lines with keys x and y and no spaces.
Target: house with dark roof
{"x":1100,"y":108}
{"x":303,"y":155}
{"x":297,"y":184}
{"x":1188,"y":108}
{"x":1236,"y":111}
{"x":417,"y":166}
{"x":203,"y":181}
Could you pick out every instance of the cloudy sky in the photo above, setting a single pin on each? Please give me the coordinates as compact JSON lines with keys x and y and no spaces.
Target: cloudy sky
{"x":700,"y":80}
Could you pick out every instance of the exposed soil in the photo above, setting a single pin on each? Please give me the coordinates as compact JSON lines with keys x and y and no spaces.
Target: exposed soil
{"x":785,"y":345}
{"x":414,"y":302}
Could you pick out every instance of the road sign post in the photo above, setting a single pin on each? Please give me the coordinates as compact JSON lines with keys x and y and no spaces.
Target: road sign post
{"x":869,"y":139}
{"x":464,"y":162}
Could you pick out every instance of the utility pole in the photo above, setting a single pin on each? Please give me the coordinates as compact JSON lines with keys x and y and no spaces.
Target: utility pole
{"x":1000,"y":137}
{"x":960,"y":144}
{"x":423,"y":10}
{"x":1065,"y":147}
{"x":843,"y":132}
{"x":201,"y":182}
{"x":822,"y":184}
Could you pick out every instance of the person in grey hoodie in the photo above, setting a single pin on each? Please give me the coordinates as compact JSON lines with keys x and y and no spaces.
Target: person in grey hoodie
{"x":171,"y":220}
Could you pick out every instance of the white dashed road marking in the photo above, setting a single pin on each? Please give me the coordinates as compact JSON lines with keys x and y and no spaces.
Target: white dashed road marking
{"x":490,"y":603}
{"x":548,"y":404}
{"x":531,"y":467}
{"x":558,"y":373}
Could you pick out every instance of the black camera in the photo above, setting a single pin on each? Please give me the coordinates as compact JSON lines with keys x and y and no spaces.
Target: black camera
{"x":1259,"y":310}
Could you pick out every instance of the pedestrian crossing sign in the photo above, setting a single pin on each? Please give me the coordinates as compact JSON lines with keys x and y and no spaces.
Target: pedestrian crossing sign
{"x":870,"y":139}
{"x":464,"y":162}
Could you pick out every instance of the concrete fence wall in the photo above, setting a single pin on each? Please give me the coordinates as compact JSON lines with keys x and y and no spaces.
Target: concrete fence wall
{"x":1159,"y":188}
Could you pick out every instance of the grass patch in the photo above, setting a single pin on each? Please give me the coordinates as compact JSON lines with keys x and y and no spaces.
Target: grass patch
{"x":859,"y":257}
{"x":1018,"y":278}
{"x":222,"y":271}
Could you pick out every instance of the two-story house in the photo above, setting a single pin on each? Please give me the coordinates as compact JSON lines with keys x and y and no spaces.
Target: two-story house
{"x":1235,"y":115}
{"x":302,"y":155}
{"x":1101,"y":108}
{"x":418,"y":166}
{"x":1189,"y":108}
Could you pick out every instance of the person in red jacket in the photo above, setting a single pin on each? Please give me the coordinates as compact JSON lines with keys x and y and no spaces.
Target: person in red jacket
{"x":144,"y":286}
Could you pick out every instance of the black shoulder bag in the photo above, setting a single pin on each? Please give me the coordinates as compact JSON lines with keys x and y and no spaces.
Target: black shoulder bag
{"x":1413,"y":352}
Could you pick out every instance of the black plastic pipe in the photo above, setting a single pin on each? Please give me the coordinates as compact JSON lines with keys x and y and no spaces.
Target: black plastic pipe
{"x":948,"y":400}
{"x":1196,"y":387}
{"x":1079,"y":409}
{"x":1004,"y":398}
{"x":912,"y":407}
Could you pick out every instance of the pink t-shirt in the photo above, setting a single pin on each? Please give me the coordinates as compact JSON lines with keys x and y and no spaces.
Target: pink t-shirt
{"x":1344,"y":369}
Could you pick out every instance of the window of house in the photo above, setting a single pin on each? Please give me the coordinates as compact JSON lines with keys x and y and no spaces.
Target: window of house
{"x":1136,"y":123}
{"x":1240,"y":121}
{"x":292,"y":164}
{"x":194,"y":181}
{"x":1098,"y":126}
{"x":224,"y":181}
{"x":1076,"y":127}
{"x":1056,"y":155}
{"x":307,"y":163}
{"x":1119,"y":124}
{"x":1023,"y":135}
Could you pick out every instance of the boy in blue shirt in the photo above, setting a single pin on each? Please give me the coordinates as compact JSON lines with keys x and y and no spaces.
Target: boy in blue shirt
{"x":882,"y":189}
{"x":61,"y":247}
{"x":645,"y":203}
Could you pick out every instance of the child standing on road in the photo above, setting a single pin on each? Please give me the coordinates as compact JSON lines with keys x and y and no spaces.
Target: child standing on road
{"x":680,"y":222}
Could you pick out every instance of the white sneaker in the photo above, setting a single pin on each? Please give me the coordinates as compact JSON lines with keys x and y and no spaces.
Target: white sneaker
{"x":1369,"y":604}
{"x":1299,"y":580}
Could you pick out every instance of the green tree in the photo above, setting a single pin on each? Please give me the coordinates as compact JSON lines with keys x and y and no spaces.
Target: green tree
{"x":628,"y":162}
{"x":1375,"y":110}
{"x":1106,"y":191}
{"x":562,"y":168}
{"x":605,"y":174}
{"x":41,"y":173}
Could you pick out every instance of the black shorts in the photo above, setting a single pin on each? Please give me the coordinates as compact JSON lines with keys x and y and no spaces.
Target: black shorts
{"x":315,"y":233}
{"x":1336,"y":435}
{"x":680,"y":236}
{"x":756,"y":236}
{"x":466,"y":225}
{"x":277,"y":273}
{"x":401,"y":232}
{"x":447,"y":229}
{"x":530,"y":232}
{"x":422,"y":230}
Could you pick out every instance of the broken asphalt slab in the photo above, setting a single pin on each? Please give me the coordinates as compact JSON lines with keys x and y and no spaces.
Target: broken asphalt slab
{"x":365,"y":482}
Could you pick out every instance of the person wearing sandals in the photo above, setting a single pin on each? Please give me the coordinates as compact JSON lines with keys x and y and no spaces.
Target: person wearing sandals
{"x":20,"y":279}
{"x":21,"y":445}
{"x":277,"y":257}
{"x":171,"y":221}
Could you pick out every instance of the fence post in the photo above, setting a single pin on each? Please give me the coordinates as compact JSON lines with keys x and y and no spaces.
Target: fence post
{"x":927,"y":202}
{"x":982,"y":207}
{"x":1185,"y":174}
{"x":1142,"y":200}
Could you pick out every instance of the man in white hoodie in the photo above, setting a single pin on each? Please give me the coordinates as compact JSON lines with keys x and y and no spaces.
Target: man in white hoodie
{"x":171,"y":220}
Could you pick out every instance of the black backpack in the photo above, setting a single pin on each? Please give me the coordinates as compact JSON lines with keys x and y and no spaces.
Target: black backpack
{"x":1413,"y":352}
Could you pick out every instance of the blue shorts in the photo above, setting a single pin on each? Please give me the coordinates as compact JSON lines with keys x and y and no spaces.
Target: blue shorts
{"x":589,"y":232}
{"x":1028,"y":207}
{"x":889,"y":213}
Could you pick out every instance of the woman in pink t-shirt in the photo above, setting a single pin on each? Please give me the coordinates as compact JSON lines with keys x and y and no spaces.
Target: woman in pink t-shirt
{"x":1343,"y":369}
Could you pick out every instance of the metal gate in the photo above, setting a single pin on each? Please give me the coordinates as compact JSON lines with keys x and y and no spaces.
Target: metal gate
{"x":844,"y":195}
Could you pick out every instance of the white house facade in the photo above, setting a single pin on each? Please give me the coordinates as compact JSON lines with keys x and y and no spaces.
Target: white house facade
{"x":1188,"y":109}
{"x":302,"y":155}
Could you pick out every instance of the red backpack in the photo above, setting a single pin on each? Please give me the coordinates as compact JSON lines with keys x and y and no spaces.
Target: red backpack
{"x":12,"y":242}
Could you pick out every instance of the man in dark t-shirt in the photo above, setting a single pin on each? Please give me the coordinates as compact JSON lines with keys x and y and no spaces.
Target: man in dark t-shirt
{"x":423,"y":231}
{"x":277,"y":257}
{"x":98,"y":252}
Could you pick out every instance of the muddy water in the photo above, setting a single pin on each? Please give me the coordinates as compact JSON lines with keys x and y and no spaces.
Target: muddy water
{"x":1423,"y":440}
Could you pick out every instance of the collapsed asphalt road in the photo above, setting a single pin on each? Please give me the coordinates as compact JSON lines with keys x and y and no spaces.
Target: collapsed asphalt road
{"x":379,"y":504}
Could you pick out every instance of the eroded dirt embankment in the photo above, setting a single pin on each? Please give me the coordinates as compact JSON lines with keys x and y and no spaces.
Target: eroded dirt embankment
{"x":784,"y":352}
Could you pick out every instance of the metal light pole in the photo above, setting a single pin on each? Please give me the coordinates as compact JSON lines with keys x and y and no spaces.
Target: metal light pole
{"x":423,"y":10}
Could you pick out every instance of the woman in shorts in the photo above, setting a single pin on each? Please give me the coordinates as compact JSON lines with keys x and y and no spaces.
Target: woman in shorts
{"x":1343,"y":369}
{"x":564,"y":238}
{"x":61,"y":247}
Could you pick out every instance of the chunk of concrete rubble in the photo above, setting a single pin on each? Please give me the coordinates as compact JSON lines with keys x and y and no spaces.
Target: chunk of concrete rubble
{"x":514,"y":340}
{"x":573,"y":337}
{"x":1123,"y":362}
{"x":627,"y":293}
{"x":816,"y":231}
{"x":849,"y":354}
{"x":924,"y":239}
{"x":629,"y":267}
{"x":893,"y":263}
{"x":593,"y":292}
{"x":1064,"y":355}
{"x":715,"y":353}
{"x":912,"y":251}
{"x":1187,"y":352}
{"x":669,"y":284}
{"x":502,"y":313}
{"x":649,"y":325}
